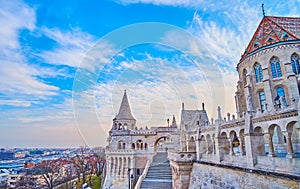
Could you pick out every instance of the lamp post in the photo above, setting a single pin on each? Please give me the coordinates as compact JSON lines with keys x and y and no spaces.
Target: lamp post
{"x":129,"y":178}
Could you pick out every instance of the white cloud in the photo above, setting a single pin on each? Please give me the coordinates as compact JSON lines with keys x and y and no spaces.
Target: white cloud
{"x":185,"y":3}
{"x":16,"y":75}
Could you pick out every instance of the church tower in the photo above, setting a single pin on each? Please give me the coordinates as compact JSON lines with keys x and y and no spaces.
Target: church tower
{"x":124,"y":119}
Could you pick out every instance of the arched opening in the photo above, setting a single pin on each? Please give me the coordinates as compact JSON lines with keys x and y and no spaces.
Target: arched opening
{"x":121,"y":145}
{"x":202,"y":145}
{"x":132,"y":146}
{"x":260,"y":142}
{"x":192,"y":145}
{"x":139,"y":144}
{"x":277,"y":139}
{"x":125,"y":126}
{"x":160,"y":145}
{"x":234,"y":143}
{"x":224,"y":144}
{"x":292,"y":140}
{"x":242,"y":142}
{"x":209,"y":144}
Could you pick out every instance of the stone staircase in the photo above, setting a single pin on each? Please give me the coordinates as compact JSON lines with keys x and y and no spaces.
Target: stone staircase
{"x":159,"y":175}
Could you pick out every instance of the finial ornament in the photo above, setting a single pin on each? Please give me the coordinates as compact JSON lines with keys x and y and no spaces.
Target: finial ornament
{"x":263,"y":10}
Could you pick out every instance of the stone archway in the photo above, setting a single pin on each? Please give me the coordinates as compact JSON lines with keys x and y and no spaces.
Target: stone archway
{"x":160,"y":144}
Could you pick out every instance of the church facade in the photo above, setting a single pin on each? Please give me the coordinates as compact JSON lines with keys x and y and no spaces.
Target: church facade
{"x":259,"y":147}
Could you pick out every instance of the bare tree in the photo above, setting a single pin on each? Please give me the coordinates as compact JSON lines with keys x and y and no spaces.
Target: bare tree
{"x":49,"y":169}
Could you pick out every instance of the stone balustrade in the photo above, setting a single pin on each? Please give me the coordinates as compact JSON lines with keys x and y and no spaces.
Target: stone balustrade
{"x":109,"y":151}
{"x":182,"y":156}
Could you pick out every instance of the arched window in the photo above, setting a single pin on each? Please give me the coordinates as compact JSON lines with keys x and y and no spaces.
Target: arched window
{"x":295,"y":63}
{"x":275,"y":67}
{"x":258,"y":72}
{"x":121,"y":145}
{"x":280,"y":98}
{"x":262,"y":100}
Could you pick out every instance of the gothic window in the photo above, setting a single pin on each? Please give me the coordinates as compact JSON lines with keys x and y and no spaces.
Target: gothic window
{"x":275,"y":67}
{"x":295,"y":63}
{"x":258,"y":73}
{"x":280,"y":98}
{"x":262,"y":100}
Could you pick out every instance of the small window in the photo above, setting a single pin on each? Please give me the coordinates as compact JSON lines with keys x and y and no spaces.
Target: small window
{"x":262,"y":100}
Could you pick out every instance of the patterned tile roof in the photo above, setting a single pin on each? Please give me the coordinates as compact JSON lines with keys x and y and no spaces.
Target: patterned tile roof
{"x":272,"y":30}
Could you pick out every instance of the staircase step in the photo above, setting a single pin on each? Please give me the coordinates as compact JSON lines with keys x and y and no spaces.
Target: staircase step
{"x":159,"y":174}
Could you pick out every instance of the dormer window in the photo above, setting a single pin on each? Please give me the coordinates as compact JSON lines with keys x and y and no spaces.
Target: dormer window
{"x":285,"y":35}
{"x":270,"y":39}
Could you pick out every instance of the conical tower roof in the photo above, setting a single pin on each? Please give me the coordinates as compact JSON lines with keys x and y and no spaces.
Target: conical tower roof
{"x":124,"y":111}
{"x":273,"y":30}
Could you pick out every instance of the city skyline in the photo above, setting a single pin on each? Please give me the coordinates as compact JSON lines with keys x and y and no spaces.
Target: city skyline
{"x":45,"y":45}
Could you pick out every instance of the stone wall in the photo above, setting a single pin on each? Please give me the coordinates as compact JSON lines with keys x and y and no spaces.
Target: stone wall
{"x":209,"y":176}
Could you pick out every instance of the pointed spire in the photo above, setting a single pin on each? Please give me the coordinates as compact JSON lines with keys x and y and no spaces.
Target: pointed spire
{"x":124,"y":111}
{"x":263,"y":9}
{"x":174,"y":124}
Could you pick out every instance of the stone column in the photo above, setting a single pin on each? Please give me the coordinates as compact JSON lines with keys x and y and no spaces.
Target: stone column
{"x":121,"y":167}
{"x":241,"y":146}
{"x":231,"y":147}
{"x":132,"y":165}
{"x":289,"y":144}
{"x":219,"y":155}
{"x":124,"y":168}
{"x":271,"y":146}
{"x":198,"y":156}
{"x":251,"y":154}
{"x":207,"y":147}
{"x":116,"y":167}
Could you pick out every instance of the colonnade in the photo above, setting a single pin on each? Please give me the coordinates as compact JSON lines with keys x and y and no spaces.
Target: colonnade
{"x":118,"y":166}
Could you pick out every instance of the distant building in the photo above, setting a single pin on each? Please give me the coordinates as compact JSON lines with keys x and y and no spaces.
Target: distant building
{"x":3,"y":178}
{"x":6,"y":155}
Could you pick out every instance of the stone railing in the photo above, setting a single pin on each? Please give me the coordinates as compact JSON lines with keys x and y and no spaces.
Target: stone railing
{"x":182,"y":156}
{"x":288,"y":166}
{"x":108,"y":151}
{"x":164,"y":129}
{"x":144,"y":174}
{"x":279,"y":165}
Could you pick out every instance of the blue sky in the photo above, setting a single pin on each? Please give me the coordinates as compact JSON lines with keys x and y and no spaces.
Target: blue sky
{"x":65,"y":64}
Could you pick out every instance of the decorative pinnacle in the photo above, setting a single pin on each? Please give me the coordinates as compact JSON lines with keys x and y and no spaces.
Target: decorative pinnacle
{"x":263,"y":10}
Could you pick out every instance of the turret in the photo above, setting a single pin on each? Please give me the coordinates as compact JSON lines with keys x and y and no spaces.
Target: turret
{"x":124,"y":119}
